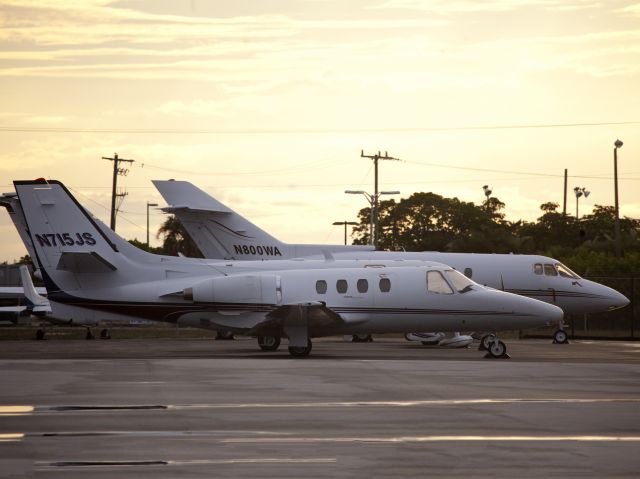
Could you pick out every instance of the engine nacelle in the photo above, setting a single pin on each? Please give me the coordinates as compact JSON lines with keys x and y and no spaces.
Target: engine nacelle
{"x":236,"y":289}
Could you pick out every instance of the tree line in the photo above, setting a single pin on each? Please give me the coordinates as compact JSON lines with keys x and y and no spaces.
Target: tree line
{"x":430,"y":222}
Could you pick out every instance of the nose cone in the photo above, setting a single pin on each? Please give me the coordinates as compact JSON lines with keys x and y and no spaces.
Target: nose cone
{"x":604,"y":297}
{"x":545,"y":312}
{"x":528,"y":312}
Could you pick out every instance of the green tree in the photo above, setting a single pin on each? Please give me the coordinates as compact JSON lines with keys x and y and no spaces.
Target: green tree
{"x":175,"y":239}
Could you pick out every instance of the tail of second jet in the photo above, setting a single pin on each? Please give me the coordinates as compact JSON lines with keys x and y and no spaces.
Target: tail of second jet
{"x":222,"y":233}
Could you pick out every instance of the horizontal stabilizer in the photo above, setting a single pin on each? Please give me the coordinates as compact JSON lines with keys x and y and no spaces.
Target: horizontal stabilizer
{"x":84,"y":262}
{"x":189,"y":209}
{"x":179,"y":194}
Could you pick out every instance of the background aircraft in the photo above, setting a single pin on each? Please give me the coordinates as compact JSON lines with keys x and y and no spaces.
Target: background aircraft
{"x":220,"y":232}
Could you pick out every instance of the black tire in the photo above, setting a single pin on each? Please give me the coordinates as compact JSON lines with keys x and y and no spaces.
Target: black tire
{"x":40,"y":334}
{"x":361,"y":338}
{"x":497,"y":349}
{"x":560,"y":337}
{"x":300,"y":351}
{"x":485,"y":342}
{"x":269,"y":343}
{"x":224,"y":335}
{"x":105,"y":334}
{"x":89,"y":335}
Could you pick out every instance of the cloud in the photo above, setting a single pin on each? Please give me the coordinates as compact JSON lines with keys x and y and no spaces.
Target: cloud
{"x":445,"y":7}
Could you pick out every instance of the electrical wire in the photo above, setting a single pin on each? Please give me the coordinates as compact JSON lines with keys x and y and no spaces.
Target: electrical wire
{"x":267,"y":131}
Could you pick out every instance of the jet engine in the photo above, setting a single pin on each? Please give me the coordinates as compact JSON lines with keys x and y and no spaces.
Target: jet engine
{"x":236,"y":289}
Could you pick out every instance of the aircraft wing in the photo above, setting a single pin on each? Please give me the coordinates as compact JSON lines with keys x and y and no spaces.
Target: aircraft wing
{"x":310,"y":314}
{"x":12,"y":309}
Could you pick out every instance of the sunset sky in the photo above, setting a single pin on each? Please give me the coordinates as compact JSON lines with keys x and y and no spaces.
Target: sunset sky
{"x":266,"y":104}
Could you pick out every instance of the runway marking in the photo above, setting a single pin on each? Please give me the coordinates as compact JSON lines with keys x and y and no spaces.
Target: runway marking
{"x":411,"y":403}
{"x":20,"y":410}
{"x":414,"y":439}
{"x":194,"y":462}
{"x":15,"y":410}
{"x":13,"y":437}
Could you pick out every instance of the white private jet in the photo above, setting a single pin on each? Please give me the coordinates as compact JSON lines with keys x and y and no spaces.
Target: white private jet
{"x":83,"y":267}
{"x":220,"y":232}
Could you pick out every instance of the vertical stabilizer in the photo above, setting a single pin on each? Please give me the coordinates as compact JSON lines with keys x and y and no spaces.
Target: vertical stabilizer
{"x":217,"y":230}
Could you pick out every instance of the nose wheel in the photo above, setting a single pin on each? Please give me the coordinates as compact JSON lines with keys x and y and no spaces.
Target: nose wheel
{"x":497,"y":349}
{"x":485,"y":342}
{"x":560,"y":337}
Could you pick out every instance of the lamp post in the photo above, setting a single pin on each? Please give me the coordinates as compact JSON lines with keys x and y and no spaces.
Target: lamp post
{"x":580,"y":192}
{"x":373,"y":220}
{"x":487,"y":193}
{"x":149,"y":205}
{"x":617,"y":144}
{"x":345,"y":223}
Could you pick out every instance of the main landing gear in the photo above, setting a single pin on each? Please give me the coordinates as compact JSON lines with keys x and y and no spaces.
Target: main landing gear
{"x":495,"y":348}
{"x":361,"y":338}
{"x":300,"y":351}
{"x":224,"y":335}
{"x":272,"y":343}
{"x":269,"y":343}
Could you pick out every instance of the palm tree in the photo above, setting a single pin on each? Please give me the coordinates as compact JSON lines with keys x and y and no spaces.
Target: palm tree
{"x":175,"y":239}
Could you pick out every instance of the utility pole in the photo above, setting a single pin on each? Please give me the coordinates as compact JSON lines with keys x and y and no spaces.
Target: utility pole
{"x":116,"y":171}
{"x":374,"y":205}
{"x":564,"y":205}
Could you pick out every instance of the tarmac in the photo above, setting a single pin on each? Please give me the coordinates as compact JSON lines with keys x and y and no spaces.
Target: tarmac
{"x":204,"y":408}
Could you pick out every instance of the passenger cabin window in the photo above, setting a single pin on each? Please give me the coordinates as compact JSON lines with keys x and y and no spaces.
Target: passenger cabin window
{"x":363,"y":286}
{"x":537,"y":268}
{"x":468,"y":272}
{"x":437,"y":284}
{"x":385,"y":285}
{"x":342,"y":286}
{"x":550,"y":270}
{"x":321,"y":286}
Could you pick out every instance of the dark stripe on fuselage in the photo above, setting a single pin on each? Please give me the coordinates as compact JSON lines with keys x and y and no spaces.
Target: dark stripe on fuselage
{"x":555,"y":293}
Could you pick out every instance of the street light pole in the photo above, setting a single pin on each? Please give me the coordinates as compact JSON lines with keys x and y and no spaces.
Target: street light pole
{"x":580,"y":192}
{"x":345,"y":223}
{"x":618,"y":248}
{"x":148,"y":205}
{"x":373,"y":201}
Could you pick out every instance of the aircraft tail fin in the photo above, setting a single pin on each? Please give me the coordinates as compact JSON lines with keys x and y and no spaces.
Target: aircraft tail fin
{"x":66,"y":240}
{"x":218,"y":231}
{"x":38,"y":303}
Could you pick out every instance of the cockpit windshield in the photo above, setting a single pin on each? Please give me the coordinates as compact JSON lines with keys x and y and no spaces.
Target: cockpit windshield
{"x":566,"y":272}
{"x":460,"y":282}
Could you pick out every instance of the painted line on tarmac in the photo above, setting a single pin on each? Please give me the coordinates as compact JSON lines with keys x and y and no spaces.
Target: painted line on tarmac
{"x":417,"y":439}
{"x":19,"y":410}
{"x":193,"y":462}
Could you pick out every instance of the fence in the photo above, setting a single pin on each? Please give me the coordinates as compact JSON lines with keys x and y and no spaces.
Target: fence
{"x":618,"y":324}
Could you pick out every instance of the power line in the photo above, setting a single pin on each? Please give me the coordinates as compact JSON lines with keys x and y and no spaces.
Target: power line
{"x":267,"y":131}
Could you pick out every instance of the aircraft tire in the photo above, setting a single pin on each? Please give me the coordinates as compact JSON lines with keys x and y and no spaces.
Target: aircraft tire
{"x":497,"y":349}
{"x":89,"y":335}
{"x":40,"y":334}
{"x":485,"y":342}
{"x":300,"y":351}
{"x":560,"y":337}
{"x":105,"y":334}
{"x":224,"y":335}
{"x":269,"y":343}
{"x":362,"y":338}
